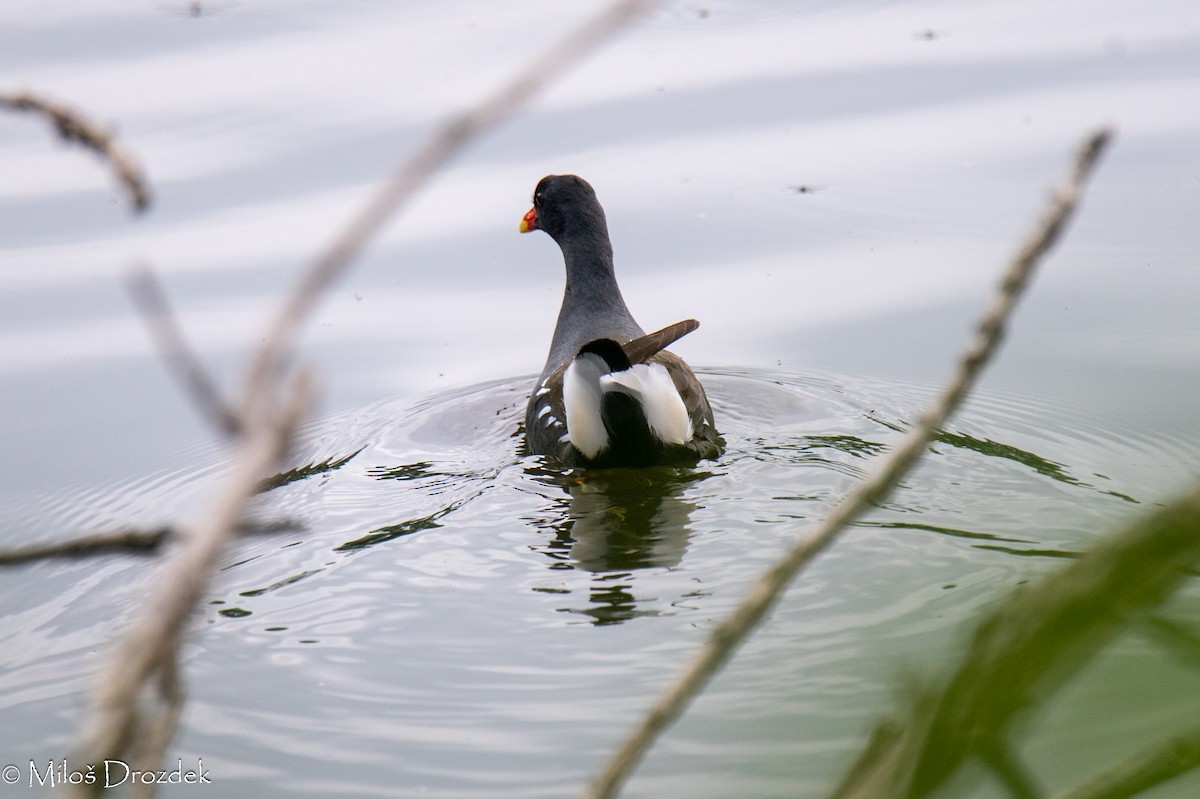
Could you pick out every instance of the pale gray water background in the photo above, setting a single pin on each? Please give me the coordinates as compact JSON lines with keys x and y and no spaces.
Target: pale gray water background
{"x":452,"y":621}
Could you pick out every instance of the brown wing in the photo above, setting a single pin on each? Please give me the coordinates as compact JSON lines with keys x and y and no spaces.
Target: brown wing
{"x":652,"y":348}
{"x":643,"y":347}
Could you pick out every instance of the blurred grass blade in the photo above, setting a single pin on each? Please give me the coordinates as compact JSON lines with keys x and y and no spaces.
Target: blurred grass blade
{"x":1025,"y":651}
{"x":1142,"y":771}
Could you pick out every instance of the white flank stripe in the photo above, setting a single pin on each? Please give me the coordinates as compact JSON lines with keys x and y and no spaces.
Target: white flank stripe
{"x":581,"y":400}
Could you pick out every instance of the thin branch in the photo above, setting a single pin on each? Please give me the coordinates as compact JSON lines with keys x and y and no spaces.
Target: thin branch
{"x":729,"y":634}
{"x":147,"y":754}
{"x":454,"y":135}
{"x":198,"y":384}
{"x":147,"y":656}
{"x":74,"y":127}
{"x":127,"y":541}
{"x":123,"y":719}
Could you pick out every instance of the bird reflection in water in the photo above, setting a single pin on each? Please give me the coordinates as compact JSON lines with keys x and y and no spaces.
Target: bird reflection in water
{"x":617,"y":521}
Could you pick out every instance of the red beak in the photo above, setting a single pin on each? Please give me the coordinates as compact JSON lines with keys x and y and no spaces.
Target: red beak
{"x":529,"y":221}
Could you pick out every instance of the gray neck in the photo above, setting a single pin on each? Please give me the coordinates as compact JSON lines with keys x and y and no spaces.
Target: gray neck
{"x":592,"y":306}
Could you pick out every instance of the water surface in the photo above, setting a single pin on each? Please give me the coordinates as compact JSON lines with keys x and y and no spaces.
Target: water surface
{"x":830,"y":188}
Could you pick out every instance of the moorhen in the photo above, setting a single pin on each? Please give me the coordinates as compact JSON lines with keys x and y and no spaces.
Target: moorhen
{"x":610,"y":394}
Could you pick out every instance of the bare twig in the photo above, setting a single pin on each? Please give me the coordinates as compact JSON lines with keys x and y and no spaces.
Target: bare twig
{"x":198,"y":384}
{"x":454,"y":135}
{"x":114,"y":541}
{"x":726,"y":636}
{"x":147,"y":655}
{"x":147,"y":755}
{"x":124,"y":720}
{"x":128,"y":541}
{"x":73,"y":126}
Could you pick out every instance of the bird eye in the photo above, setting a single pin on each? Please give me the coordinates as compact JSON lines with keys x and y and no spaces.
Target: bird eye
{"x":537,"y":199}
